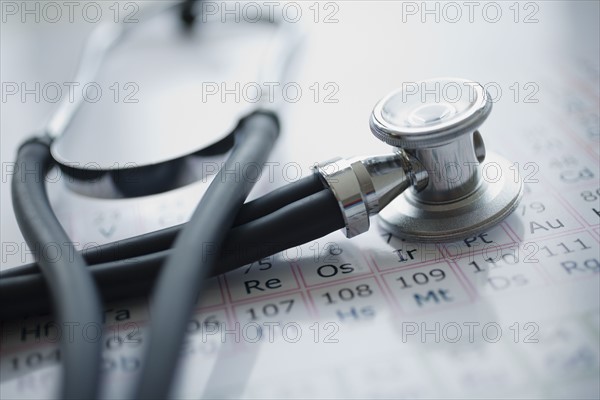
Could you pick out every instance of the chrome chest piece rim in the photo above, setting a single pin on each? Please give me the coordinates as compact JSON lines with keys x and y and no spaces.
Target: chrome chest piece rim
{"x":468,"y":191}
{"x":431,"y":112}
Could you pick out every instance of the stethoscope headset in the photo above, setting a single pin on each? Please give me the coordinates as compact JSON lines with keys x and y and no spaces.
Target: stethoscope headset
{"x":438,"y":152}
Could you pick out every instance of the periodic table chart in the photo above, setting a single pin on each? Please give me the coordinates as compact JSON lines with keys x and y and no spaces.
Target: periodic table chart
{"x":512,"y":312}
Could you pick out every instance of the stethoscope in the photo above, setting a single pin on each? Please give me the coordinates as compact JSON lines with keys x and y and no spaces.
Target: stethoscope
{"x":438,"y":184}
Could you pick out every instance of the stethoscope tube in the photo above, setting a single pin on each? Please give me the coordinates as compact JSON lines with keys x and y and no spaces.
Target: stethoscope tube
{"x":130,"y":249}
{"x":25,"y":290}
{"x":196,"y":252}
{"x":75,"y":298}
{"x":70,"y":283}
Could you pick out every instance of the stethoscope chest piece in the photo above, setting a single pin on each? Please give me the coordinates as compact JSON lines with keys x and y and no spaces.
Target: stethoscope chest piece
{"x":468,"y":190}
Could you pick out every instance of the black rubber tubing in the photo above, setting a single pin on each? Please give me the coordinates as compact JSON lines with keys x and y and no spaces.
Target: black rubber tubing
{"x":163,"y":239}
{"x":75,"y":299}
{"x":279,"y":197}
{"x":195,"y":253}
{"x":293,"y":225}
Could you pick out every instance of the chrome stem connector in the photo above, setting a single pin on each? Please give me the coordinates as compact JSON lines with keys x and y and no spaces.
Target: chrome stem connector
{"x":363,"y":186}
